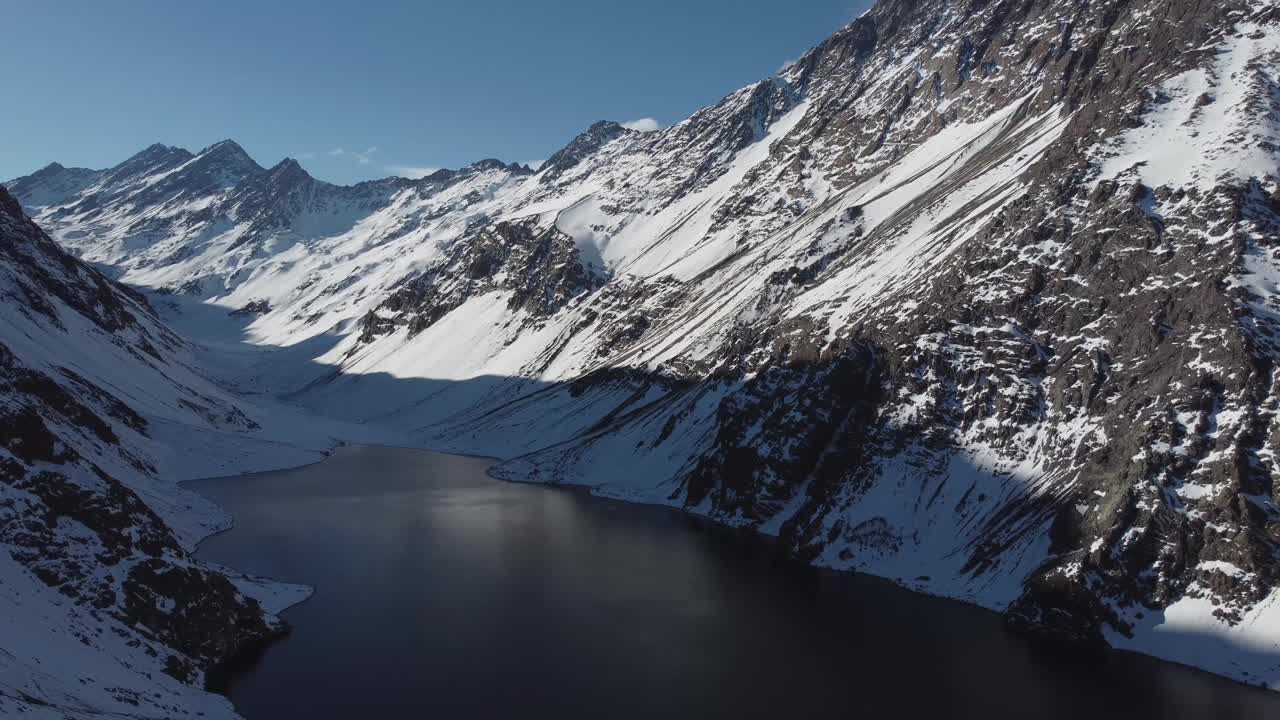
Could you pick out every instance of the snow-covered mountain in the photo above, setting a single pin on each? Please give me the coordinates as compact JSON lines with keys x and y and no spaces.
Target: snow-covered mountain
{"x":103,"y":407}
{"x":980,"y":297}
{"x":101,"y":606}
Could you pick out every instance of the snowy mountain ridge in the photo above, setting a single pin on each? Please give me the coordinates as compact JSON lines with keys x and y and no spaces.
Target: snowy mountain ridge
{"x":979,"y":297}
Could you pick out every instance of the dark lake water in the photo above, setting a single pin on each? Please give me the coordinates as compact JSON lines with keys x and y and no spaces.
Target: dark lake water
{"x":442,"y":593}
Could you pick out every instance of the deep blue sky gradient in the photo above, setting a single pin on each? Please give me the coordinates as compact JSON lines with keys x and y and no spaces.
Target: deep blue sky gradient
{"x":428,"y":84}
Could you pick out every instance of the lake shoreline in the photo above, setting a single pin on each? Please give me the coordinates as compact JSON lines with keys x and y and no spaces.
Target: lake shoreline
{"x":223,"y":678}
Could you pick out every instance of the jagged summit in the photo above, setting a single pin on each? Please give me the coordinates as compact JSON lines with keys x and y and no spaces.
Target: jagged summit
{"x":167,"y":170}
{"x":221,"y":165}
{"x":289,"y":168}
{"x":229,"y":151}
{"x":228,"y":145}
{"x":157,"y":151}
{"x":152,"y":160}
{"x":586,"y":143}
{"x":52,"y":184}
{"x":490,"y":164}
{"x":45,"y":174}
{"x":445,"y":175}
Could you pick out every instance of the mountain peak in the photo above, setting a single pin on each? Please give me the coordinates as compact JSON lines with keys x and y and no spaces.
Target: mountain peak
{"x":600,"y":133}
{"x":225,"y":147}
{"x":161,"y":149}
{"x":52,"y":183}
{"x":150,"y":158}
{"x":288,"y":165}
{"x":444,"y":175}
{"x":229,"y":160}
{"x":491,"y":164}
{"x":47,"y":172}
{"x":289,"y":172}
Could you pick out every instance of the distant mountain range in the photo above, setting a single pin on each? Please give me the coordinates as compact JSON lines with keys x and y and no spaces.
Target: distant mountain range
{"x":979,"y":297}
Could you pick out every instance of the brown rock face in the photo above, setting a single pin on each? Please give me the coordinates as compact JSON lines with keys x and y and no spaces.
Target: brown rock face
{"x":1061,"y":395}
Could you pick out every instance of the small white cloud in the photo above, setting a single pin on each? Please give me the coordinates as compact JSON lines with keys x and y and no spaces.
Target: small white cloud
{"x":411,"y":172}
{"x":787,"y":65}
{"x":364,"y":158}
{"x":643,"y":125}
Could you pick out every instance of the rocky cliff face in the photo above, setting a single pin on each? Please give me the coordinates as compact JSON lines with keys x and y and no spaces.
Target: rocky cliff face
{"x":103,"y":609}
{"x":981,"y":297}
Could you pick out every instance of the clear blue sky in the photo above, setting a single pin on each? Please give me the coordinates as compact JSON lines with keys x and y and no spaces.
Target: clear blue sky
{"x":428,"y":84}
